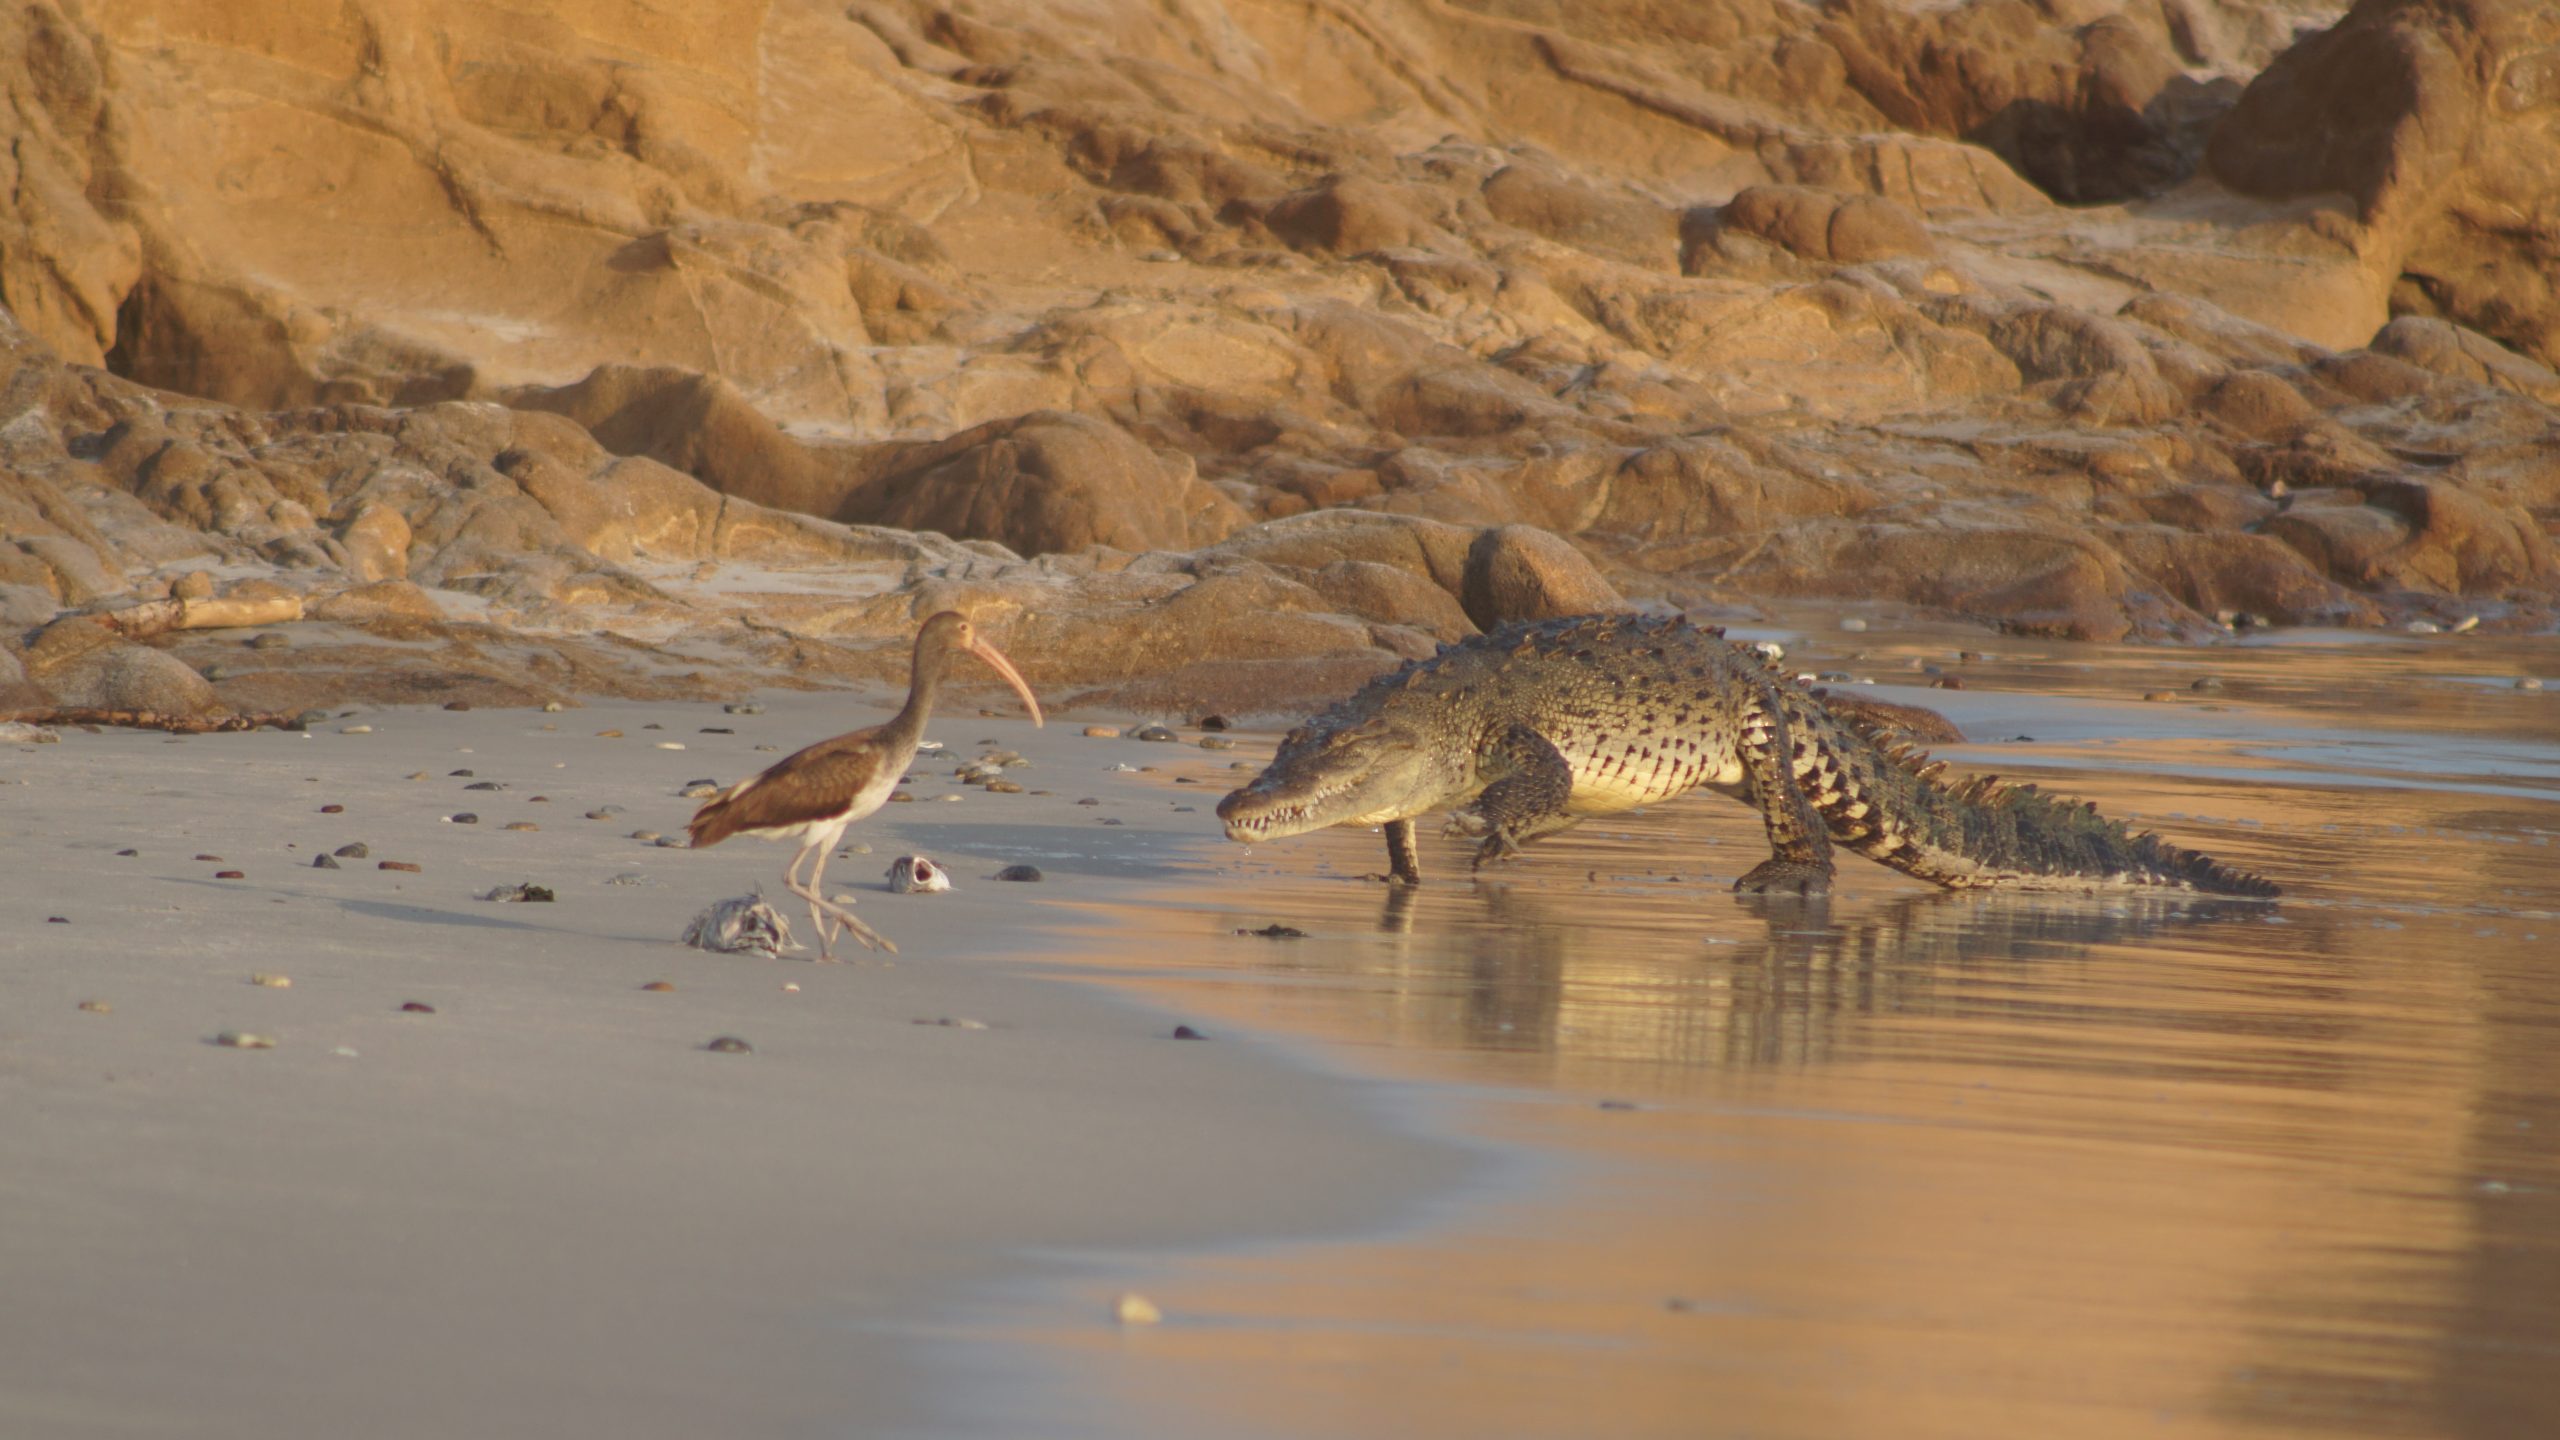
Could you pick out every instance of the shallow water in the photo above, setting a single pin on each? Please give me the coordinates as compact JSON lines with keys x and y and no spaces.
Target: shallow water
{"x":1917,"y":1164}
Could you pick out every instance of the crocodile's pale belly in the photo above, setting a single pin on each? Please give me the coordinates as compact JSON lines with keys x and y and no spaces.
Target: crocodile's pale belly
{"x":1612,"y":777}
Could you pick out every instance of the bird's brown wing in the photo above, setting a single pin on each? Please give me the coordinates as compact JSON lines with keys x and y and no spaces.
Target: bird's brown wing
{"x":818,"y":783}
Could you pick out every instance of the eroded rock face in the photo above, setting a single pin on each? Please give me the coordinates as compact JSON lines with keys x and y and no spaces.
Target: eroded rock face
{"x":1183,"y":345}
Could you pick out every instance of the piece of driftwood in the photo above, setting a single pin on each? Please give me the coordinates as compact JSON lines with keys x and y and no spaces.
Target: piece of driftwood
{"x":154,"y":720}
{"x":212,"y":612}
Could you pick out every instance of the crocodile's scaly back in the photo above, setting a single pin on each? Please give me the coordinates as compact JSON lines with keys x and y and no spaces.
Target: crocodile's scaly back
{"x":1530,"y":728}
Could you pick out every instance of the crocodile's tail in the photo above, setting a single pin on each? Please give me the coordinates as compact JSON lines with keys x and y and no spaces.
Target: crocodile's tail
{"x":1887,"y":800}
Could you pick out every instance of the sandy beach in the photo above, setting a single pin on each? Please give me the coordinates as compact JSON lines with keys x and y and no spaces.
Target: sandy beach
{"x":543,"y":1206}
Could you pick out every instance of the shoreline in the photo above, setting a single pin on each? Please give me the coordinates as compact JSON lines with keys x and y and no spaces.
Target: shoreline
{"x":545,"y":1200}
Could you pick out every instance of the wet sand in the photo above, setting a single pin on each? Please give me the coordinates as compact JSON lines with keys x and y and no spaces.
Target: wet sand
{"x":545,"y":1207}
{"x":1916,"y":1164}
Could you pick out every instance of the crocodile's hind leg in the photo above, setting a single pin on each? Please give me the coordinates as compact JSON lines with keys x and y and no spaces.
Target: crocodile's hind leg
{"x":1525,"y":803}
{"x":1799,"y":862}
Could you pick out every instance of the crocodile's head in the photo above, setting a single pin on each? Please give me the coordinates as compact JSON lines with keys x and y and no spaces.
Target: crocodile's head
{"x":1365,"y":773}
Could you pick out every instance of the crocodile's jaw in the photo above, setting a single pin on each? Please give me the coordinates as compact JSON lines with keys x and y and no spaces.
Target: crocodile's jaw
{"x":1363,"y":776}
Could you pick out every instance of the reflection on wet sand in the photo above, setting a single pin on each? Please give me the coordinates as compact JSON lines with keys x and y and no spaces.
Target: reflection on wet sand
{"x":1913,"y":1163}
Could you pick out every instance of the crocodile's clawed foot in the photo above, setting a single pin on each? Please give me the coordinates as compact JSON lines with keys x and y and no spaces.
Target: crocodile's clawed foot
{"x":1775,"y":876}
{"x":1467,"y":825}
{"x":1498,"y":848}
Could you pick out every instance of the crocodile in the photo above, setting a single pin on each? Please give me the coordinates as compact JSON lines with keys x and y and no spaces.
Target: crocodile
{"x":1531,"y":728}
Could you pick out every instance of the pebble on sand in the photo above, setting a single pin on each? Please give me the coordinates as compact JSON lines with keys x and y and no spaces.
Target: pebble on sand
{"x":97,"y":1007}
{"x":1157,"y":733}
{"x":416,"y":1007}
{"x":1019,"y":872}
{"x":660,"y":987}
{"x":230,"y":874}
{"x":333,"y":809}
{"x":355,"y":851}
{"x":324,"y":862}
{"x":272,"y":980}
{"x":1102,"y":732}
{"x":243,"y":1040}
{"x":522,"y":825}
{"x":729,"y":1045}
{"x":1132,"y":1308}
{"x":1185,"y":1032}
{"x":411,"y":867}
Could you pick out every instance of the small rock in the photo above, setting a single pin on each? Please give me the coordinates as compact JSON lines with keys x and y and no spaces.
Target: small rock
{"x":670,"y":744}
{"x":552,"y":707}
{"x":659,"y":987}
{"x":2155,"y":696}
{"x":324,"y":862}
{"x":901,"y":797}
{"x":1003,"y":787}
{"x":230,"y":875}
{"x":356,"y":851}
{"x":243,"y":1040}
{"x":1277,"y":931}
{"x":486,"y":785}
{"x":272,"y":640}
{"x":2529,"y":682}
{"x":729,"y":1045}
{"x":97,"y":1007}
{"x":1853,"y":625}
{"x":460,"y":774}
{"x":271,"y":980}
{"x":644,"y":835}
{"x":462,"y":817}
{"x":670,"y":842}
{"x":2205,"y":685}
{"x":1157,"y":733}
{"x":716,"y":730}
{"x":2423,"y":627}
{"x":1102,"y":732}
{"x":522,"y":825}
{"x":403,"y":865}
{"x":416,"y":1007}
{"x":952,"y":1022}
{"x":1185,"y":1032}
{"x":1617,"y":1105}
{"x":57,"y":919}
{"x":699,"y":790}
{"x":742,"y":707}
{"x":210,"y":859}
{"x":1111,"y":820}
{"x":1089,"y":800}
{"x":1133,"y":1308}
{"x":608,"y":734}
{"x":1019,"y":872}
{"x":607,"y":813}
{"x":333,"y":809}
{"x":1216,"y":742}
{"x":128,"y":854}
{"x":457,"y":704}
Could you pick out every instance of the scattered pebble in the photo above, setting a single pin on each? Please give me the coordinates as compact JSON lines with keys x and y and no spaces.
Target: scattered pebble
{"x":486,"y":785}
{"x":1853,"y":625}
{"x":1111,"y":820}
{"x":1102,"y":732}
{"x":2158,"y":695}
{"x":673,"y":745}
{"x":97,"y":1007}
{"x":1216,"y":742}
{"x":460,"y":774}
{"x":951,"y":1022}
{"x":356,"y":851}
{"x":1277,"y":932}
{"x":325,"y":862}
{"x":271,"y":640}
{"x":1185,"y":1032}
{"x":128,"y":854}
{"x":1019,"y":872}
{"x":462,"y":817}
{"x":552,"y":707}
{"x":644,"y":836}
{"x":243,"y":1040}
{"x":215,"y":859}
{"x":742,"y":707}
{"x":1003,"y":787}
{"x":660,"y":987}
{"x":1133,"y":1308}
{"x":1089,"y":800}
{"x":699,"y":790}
{"x":790,"y":987}
{"x":333,"y":809}
{"x":2529,"y":682}
{"x":1617,"y":1105}
{"x":416,"y":1007}
{"x":716,"y":730}
{"x":608,"y":734}
{"x":2423,"y":627}
{"x":517,"y":894}
{"x":418,"y":775}
{"x":901,"y":797}
{"x":1156,"y":733}
{"x":409,"y":866}
{"x":729,"y":1045}
{"x":2205,"y":685}
{"x":57,"y":919}
{"x":457,"y":704}
{"x":607,"y":813}
{"x":230,"y":875}
{"x":272,"y":980}
{"x":522,"y":825}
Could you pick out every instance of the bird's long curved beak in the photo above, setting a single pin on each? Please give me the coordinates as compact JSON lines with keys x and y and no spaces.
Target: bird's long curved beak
{"x":996,"y":662}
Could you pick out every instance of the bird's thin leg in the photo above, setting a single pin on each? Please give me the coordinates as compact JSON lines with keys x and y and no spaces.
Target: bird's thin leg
{"x":791,"y":882}
{"x":852,"y":924}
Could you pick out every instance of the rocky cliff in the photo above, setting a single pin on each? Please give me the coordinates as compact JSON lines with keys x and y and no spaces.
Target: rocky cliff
{"x":607,"y":344}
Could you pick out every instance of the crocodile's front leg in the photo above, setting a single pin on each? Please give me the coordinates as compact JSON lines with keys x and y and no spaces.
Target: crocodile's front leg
{"x":1800,"y":846}
{"x":1527,"y":802}
{"x":1404,"y":854}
